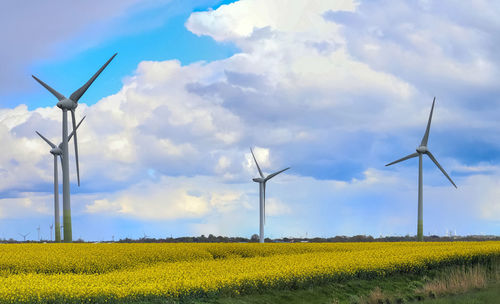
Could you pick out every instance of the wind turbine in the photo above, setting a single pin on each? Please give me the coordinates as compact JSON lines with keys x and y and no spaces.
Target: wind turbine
{"x":262,"y":195}
{"x":52,"y":226}
{"x":24,"y":236}
{"x":38,"y":229}
{"x":57,"y":151}
{"x":422,"y":149}
{"x":66,"y":105}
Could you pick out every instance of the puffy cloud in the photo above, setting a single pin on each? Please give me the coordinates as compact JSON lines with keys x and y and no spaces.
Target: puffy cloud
{"x":445,"y":41}
{"x":233,"y":21}
{"x":446,"y":49}
{"x":483,"y":193}
{"x":29,"y":205}
{"x":275,"y":207}
{"x":170,"y":198}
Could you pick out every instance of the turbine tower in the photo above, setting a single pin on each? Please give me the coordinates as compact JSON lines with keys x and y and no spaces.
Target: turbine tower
{"x":262,"y":195}
{"x":422,"y":149}
{"x":57,"y":151}
{"x":66,"y":105}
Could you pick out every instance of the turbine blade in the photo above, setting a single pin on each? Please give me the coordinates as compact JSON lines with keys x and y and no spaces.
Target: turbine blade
{"x":260,"y":171}
{"x":275,"y":173}
{"x":60,"y":157}
{"x":402,"y":159}
{"x":78,"y":93}
{"x":76,"y":146}
{"x":46,"y":140}
{"x":58,"y":95}
{"x":440,"y":168}
{"x":426,"y":135}
{"x":72,"y":132}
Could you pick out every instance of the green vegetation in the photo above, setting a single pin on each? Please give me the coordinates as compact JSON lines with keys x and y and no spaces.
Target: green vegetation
{"x":483,"y":296}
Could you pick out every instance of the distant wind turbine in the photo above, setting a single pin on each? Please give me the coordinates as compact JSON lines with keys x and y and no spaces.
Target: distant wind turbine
{"x":262,"y":195}
{"x":422,"y":149}
{"x":51,"y":226}
{"x":24,"y":236}
{"x":57,"y":151}
{"x":70,"y":104}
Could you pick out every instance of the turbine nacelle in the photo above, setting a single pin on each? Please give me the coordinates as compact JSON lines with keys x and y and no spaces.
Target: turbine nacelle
{"x":56,"y":151}
{"x":259,"y":180}
{"x":422,"y":150}
{"x":67,"y":104}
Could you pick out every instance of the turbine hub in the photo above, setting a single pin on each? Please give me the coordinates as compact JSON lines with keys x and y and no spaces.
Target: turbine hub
{"x":422,"y":149}
{"x":67,"y":104}
{"x":56,"y":151}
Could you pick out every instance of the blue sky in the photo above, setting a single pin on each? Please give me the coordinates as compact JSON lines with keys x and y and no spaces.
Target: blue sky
{"x":334,"y":89}
{"x":155,"y":32}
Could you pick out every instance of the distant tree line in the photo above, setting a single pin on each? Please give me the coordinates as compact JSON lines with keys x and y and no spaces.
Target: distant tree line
{"x":337,"y":239}
{"x":255,"y":238}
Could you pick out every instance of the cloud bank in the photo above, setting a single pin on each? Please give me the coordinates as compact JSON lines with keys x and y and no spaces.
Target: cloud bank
{"x":334,"y":89}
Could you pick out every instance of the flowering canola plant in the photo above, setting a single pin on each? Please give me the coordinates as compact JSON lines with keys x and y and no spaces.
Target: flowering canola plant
{"x":114,"y":272}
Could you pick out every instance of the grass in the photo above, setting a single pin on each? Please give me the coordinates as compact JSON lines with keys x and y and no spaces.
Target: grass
{"x":353,"y":291}
{"x":460,"y":280}
{"x":483,"y":296}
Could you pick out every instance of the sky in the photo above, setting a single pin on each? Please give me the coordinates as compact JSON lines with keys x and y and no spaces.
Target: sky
{"x":334,"y":89}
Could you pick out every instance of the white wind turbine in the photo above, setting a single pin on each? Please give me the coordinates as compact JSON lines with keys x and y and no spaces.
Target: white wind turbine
{"x":24,"y":236}
{"x":262,"y":195}
{"x":422,"y":149}
{"x":57,"y":151}
{"x":70,"y":104}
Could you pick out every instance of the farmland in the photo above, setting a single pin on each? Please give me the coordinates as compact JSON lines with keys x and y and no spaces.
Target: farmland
{"x":117,"y":272}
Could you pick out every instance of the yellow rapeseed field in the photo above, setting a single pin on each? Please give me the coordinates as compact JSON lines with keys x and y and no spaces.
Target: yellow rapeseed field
{"x":113,"y":272}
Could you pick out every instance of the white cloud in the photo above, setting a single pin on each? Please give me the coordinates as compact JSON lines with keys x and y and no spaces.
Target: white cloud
{"x":103,"y":206}
{"x":241,"y":19}
{"x":170,"y":198}
{"x":275,"y":207}
{"x":29,"y":205}
{"x":483,"y":196}
{"x":445,"y":41}
{"x":262,"y":157}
